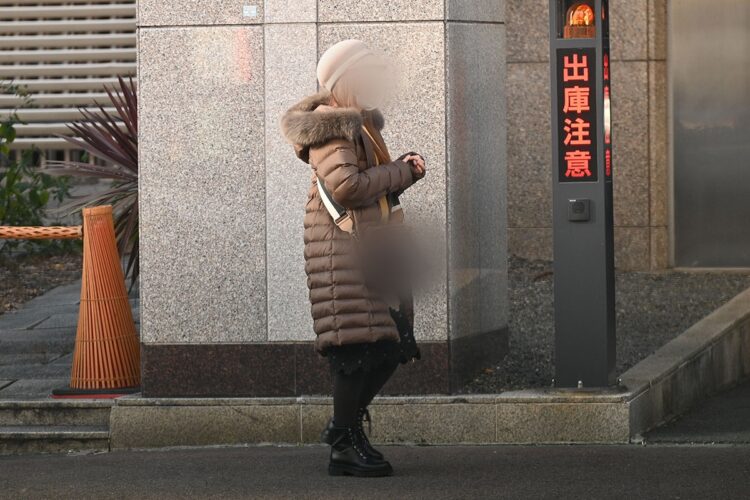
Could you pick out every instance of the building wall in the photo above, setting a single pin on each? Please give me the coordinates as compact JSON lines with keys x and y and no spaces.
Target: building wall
{"x":223,"y":289}
{"x":639,"y":111}
{"x":64,"y":56}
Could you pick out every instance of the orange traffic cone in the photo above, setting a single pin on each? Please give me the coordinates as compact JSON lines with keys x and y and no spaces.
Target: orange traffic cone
{"x":107,"y":352}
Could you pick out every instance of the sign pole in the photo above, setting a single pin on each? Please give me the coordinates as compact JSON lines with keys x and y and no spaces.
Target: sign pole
{"x":582,"y":194}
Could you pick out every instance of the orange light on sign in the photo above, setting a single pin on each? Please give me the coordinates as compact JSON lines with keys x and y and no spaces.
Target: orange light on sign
{"x":580,"y":21}
{"x":581,"y":15}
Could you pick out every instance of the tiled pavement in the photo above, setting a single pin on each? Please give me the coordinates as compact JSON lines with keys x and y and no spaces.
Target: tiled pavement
{"x":36,"y":343}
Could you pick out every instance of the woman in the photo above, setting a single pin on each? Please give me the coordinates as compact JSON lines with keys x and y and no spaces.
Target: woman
{"x":363,"y":326}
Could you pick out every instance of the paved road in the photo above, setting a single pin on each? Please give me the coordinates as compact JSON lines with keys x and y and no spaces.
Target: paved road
{"x":558,"y":472}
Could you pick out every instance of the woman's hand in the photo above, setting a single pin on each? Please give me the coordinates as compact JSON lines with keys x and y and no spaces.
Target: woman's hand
{"x":417,"y":164}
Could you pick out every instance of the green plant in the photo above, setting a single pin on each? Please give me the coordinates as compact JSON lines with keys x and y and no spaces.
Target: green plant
{"x":24,"y":190}
{"x":112,"y":138}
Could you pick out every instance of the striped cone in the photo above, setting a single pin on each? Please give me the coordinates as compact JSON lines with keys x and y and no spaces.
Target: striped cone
{"x":107,"y":351}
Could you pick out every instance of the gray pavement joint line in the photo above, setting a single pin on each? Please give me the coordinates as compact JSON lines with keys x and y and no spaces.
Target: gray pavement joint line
{"x":52,"y":360}
{"x":6,"y":383}
{"x":27,"y":327}
{"x":37,"y":323}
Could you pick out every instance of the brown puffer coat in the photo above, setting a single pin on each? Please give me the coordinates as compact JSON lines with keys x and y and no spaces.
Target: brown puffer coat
{"x":344,"y":309}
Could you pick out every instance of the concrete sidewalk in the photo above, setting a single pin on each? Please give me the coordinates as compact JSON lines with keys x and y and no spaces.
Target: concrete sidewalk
{"x":724,"y":418}
{"x":460,"y":472}
{"x":36,"y":343}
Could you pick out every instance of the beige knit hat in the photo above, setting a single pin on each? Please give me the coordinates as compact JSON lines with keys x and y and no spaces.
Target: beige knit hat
{"x":338,"y":59}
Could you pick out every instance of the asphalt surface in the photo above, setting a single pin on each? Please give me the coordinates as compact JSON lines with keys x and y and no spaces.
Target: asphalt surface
{"x":518,"y":472}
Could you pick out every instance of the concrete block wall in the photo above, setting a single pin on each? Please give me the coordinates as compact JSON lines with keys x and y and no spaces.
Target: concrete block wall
{"x":639,"y":110}
{"x":224,"y":299}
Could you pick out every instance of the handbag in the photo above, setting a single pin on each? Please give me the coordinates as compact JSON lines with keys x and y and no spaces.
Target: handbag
{"x":386,"y":250}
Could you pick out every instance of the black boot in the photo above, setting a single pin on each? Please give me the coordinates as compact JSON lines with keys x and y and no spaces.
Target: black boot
{"x":329,"y":434}
{"x":362,"y":415}
{"x":348,"y":457}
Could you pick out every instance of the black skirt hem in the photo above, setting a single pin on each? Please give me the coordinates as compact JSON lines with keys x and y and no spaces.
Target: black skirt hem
{"x":350,"y":358}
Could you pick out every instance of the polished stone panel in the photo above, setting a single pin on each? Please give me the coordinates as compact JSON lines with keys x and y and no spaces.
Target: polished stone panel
{"x":291,"y":11}
{"x":275,"y":369}
{"x":658,"y":142}
{"x":657,"y":29}
{"x":347,"y":11}
{"x":212,"y":370}
{"x":199,"y":12}
{"x":533,"y":243}
{"x":529,"y":156}
{"x":492,"y":11}
{"x":414,"y":122}
{"x":313,"y":369}
{"x":628,"y":30}
{"x":659,"y":248}
{"x":630,"y":119}
{"x":290,"y":60}
{"x":430,"y":375}
{"x":632,"y":248}
{"x":476,"y":192}
{"x":201,"y":184}
{"x":528,"y":30}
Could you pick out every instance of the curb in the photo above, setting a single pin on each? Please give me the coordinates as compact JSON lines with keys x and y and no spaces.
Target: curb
{"x":712,"y":355}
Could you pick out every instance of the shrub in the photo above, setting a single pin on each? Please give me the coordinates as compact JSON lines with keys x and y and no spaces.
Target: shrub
{"x":25,"y":191}
{"x":113,"y":139}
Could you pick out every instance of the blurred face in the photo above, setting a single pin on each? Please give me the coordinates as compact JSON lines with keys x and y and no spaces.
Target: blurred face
{"x":369,"y":84}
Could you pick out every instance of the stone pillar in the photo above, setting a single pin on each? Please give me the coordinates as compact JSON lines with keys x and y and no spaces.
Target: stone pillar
{"x":224,"y":297}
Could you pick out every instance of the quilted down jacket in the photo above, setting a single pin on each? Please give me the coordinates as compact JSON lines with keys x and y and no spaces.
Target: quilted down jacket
{"x":329,"y":139}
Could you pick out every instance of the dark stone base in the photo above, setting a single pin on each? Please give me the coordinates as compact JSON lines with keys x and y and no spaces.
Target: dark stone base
{"x":271,"y":370}
{"x":295,"y":369}
{"x":473,"y":353}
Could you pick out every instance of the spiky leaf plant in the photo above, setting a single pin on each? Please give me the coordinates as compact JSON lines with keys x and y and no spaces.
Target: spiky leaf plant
{"x":112,"y":138}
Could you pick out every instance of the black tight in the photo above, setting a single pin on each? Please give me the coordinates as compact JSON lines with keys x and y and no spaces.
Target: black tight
{"x":375,"y":381}
{"x":356,"y":390}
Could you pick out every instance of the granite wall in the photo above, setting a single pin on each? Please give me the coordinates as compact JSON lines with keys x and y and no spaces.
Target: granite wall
{"x":639,"y":109}
{"x":224,"y":299}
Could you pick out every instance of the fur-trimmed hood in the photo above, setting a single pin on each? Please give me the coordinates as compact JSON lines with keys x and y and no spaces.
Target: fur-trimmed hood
{"x":312,"y":121}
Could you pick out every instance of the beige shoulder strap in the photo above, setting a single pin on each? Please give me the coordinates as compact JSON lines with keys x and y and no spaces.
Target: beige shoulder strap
{"x":338,"y":213}
{"x":385,"y":208}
